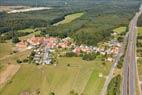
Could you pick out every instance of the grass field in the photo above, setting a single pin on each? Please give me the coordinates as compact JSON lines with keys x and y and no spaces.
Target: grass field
{"x":120,"y":30}
{"x":5,"y":49}
{"x":139,"y":64}
{"x":31,"y":31}
{"x":81,"y":76}
{"x":27,"y":30}
{"x":70,"y":18}
{"x":139,"y":31}
{"x":12,"y":59}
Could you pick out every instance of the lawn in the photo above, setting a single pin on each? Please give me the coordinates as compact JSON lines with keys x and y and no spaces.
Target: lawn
{"x":81,"y":76}
{"x":70,"y":18}
{"x":120,"y":30}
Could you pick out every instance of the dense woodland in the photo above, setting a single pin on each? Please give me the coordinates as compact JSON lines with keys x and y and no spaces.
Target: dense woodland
{"x":94,"y":26}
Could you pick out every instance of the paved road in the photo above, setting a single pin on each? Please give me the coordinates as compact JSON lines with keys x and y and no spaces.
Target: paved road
{"x":129,"y":67}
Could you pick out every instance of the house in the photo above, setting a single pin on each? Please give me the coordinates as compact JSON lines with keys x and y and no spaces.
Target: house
{"x":50,"y":45}
{"x":51,"y":42}
{"x":35,"y":41}
{"x":115,"y":50}
{"x":109,"y":59}
{"x":63,"y":45}
{"x":22,"y":44}
{"x":77,"y":50}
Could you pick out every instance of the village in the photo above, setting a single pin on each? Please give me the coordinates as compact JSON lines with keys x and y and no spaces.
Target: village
{"x":45,"y":47}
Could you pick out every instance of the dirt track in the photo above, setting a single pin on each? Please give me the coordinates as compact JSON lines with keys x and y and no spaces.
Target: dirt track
{"x":8,"y":73}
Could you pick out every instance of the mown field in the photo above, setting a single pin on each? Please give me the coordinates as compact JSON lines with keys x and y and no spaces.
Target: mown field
{"x":80,"y":76}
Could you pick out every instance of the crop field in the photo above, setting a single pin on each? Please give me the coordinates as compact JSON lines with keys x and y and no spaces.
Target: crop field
{"x":80,"y":77}
{"x":70,"y":18}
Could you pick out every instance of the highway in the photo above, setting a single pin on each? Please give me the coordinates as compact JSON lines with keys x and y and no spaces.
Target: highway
{"x":110,"y":76}
{"x":129,"y":67}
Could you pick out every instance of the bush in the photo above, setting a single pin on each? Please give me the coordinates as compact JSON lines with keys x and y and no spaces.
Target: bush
{"x":120,"y":39}
{"x":31,"y":56}
{"x":68,"y":65}
{"x":104,"y":63}
{"x":71,"y":54}
{"x":19,"y":61}
{"x":25,"y":60}
{"x":72,"y":92}
{"x":139,"y":60}
{"x":15,"y":39}
{"x":51,"y":93}
{"x":89,"y":57}
{"x":120,"y":63}
{"x":114,"y":86}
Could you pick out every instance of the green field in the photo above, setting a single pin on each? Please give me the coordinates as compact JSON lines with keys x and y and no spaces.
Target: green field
{"x":70,"y":18}
{"x":81,"y":76}
{"x":120,"y":30}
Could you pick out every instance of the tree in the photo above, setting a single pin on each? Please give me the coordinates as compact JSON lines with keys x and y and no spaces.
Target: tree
{"x":71,"y":54}
{"x":51,"y":93}
{"x":114,"y":86}
{"x":89,"y":57}
{"x":72,"y":92}
{"x":15,"y":39}
{"x":31,"y":56}
{"x":120,"y":63}
{"x":19,"y":61}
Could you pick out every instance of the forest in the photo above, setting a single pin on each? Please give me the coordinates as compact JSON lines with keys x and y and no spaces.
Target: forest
{"x":94,"y":26}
